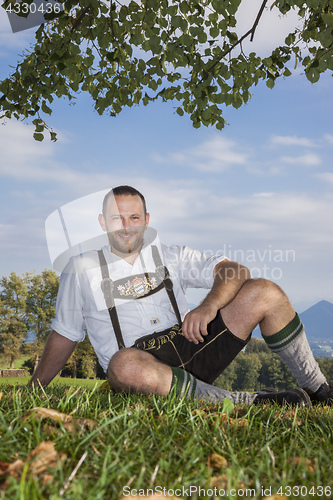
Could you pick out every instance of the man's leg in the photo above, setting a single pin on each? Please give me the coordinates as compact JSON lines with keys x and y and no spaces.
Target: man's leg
{"x":133,"y":370}
{"x":258,"y":302}
{"x":263,"y":302}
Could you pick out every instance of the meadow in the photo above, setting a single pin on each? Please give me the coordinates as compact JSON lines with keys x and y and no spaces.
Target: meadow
{"x":78,"y":442}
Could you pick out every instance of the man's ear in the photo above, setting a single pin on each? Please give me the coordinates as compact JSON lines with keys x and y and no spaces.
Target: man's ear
{"x":147,"y":220}
{"x":101,"y":220}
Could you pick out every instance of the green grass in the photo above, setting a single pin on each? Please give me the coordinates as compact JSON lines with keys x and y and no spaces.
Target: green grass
{"x":89,"y":383}
{"x":145,"y":443}
{"x":4,"y":363}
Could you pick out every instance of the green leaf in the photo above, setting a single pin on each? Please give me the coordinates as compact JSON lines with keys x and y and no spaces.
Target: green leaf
{"x":214,"y":32}
{"x":38,"y":137}
{"x":220,"y":125}
{"x":270,"y":83}
{"x":312,"y":74}
{"x":228,"y":406}
{"x":290,"y":39}
{"x":328,"y":18}
{"x":46,"y":109}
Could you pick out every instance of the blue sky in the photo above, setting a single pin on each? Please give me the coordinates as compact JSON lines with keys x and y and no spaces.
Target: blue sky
{"x":260,"y":190}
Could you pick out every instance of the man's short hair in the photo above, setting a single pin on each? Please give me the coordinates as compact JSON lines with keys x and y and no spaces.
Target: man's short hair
{"x":123,"y":190}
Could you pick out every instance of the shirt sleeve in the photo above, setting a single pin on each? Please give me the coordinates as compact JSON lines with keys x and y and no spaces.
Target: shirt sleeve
{"x":69,"y":320}
{"x":193,"y":269}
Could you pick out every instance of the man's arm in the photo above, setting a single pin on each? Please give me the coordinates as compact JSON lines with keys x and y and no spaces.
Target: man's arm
{"x":56,"y":352}
{"x":229,"y":277}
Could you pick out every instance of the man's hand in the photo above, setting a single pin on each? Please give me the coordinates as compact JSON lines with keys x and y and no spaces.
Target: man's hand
{"x":229,"y":277}
{"x":194,"y":326}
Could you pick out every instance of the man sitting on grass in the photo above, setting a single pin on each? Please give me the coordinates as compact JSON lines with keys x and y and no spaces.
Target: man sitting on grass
{"x":130,"y":297}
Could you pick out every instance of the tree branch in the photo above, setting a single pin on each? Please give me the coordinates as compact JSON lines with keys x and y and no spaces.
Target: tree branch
{"x":250,"y":32}
{"x":80,"y":18}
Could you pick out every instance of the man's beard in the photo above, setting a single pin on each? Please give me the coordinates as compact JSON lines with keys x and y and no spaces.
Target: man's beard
{"x":126,"y":242}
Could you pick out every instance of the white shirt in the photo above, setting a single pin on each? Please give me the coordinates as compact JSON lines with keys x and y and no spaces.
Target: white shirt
{"x":81,"y":306}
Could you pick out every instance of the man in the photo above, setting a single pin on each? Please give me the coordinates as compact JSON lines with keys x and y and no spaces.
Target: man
{"x":138,"y":285}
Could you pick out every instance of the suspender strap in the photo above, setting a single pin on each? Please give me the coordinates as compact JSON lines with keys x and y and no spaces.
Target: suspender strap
{"x":163,"y":273}
{"x":107,"y":288}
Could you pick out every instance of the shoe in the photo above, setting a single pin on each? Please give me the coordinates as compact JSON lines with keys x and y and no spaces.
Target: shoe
{"x":268,"y":389}
{"x":323,"y":395}
{"x":292,"y":397}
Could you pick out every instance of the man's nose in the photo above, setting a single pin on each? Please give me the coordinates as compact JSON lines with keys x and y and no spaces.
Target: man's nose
{"x":126,"y":223}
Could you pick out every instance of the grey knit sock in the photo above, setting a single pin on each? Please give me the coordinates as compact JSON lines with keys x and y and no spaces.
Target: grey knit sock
{"x":292,"y":346}
{"x":187,"y":385}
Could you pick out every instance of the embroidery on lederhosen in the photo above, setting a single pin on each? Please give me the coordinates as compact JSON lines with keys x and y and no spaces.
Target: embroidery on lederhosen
{"x":157,"y":342}
{"x":137,"y":286}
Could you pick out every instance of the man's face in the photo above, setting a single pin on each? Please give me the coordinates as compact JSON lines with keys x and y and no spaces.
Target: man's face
{"x":125,"y":222}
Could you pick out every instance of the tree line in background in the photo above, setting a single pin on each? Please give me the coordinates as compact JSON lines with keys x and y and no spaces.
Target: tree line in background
{"x":258,"y":367}
{"x":27,"y":306}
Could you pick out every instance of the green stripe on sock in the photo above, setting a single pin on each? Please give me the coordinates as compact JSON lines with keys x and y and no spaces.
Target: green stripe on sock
{"x":183,"y":383}
{"x":285,"y":336}
{"x":192,"y":386}
{"x":177,"y":380}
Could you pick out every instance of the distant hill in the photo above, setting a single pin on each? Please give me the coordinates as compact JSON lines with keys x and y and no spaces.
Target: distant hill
{"x":318,"y":321}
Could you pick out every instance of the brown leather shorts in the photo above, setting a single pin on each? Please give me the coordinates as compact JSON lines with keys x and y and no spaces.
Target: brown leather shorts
{"x":206,"y":360}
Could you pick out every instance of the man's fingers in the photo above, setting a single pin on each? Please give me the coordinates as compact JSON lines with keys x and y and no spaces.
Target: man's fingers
{"x":194,"y":330}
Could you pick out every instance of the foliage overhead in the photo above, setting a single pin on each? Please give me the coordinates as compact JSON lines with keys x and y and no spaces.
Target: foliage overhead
{"x":186,"y":51}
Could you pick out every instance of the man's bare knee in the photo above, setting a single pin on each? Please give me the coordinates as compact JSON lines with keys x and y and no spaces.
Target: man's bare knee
{"x":122,"y":368}
{"x":132,"y":370}
{"x":264,"y":290}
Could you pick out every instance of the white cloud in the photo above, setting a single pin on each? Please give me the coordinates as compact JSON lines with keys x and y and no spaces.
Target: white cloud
{"x":329,"y":138}
{"x":271,"y":30}
{"x":4,"y":23}
{"x":263,"y":195}
{"x":212,"y":219}
{"x":308,"y":160}
{"x":292,"y":141}
{"x":326,"y":177}
{"x":25,"y":159}
{"x":10,"y":40}
{"x":18,"y":147}
{"x":296,"y":227}
{"x":213,"y":155}
{"x":184,"y":213}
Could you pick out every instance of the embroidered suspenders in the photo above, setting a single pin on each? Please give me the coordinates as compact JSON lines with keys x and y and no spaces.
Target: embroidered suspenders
{"x":144,"y":288}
